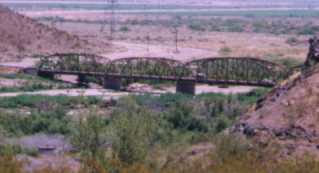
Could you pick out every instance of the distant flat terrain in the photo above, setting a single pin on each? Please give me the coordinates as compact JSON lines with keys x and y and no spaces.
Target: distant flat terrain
{"x":205,"y":3}
{"x":249,"y":8}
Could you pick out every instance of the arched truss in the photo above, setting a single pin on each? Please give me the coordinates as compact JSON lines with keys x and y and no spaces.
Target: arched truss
{"x":241,"y":70}
{"x":235,"y":69}
{"x":72,"y":62}
{"x":146,"y":66}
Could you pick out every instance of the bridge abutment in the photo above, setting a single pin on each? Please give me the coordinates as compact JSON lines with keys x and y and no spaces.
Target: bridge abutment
{"x":113,"y":83}
{"x":186,"y":87}
{"x":47,"y":75}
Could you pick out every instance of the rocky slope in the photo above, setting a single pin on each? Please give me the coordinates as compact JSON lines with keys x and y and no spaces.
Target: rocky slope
{"x":21,"y":36}
{"x":288,"y":116}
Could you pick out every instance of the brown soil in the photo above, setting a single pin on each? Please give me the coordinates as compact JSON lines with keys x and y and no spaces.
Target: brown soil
{"x":9,"y":70}
{"x":21,"y":36}
{"x":288,"y":116}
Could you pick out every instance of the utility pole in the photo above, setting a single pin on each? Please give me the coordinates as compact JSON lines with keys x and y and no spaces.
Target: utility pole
{"x":104,"y":18}
{"x":148,"y":38}
{"x":112,"y":22}
{"x":175,"y":31}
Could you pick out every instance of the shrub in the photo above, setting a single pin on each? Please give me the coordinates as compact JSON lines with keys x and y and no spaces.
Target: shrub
{"x":225,"y":50}
{"x":308,"y":30}
{"x":33,"y":101}
{"x":234,"y":25}
{"x":124,"y":29}
{"x":181,"y":117}
{"x":292,"y":41}
{"x":134,"y":133}
{"x":9,"y":164}
{"x":89,"y":135}
{"x":196,"y":26}
{"x":53,"y":121}
{"x":17,"y":149}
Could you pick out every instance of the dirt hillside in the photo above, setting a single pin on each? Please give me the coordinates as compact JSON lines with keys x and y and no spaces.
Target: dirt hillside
{"x":289,"y":116}
{"x":21,"y":36}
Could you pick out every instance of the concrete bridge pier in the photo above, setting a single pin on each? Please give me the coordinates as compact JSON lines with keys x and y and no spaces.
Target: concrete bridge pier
{"x":113,"y":83}
{"x":186,"y":87}
{"x":47,"y":75}
{"x":82,"y":81}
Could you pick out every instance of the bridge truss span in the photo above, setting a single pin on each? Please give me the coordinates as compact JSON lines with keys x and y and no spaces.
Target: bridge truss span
{"x":73,"y":62}
{"x":240,"y":70}
{"x":147,"y":66}
{"x":220,"y":70}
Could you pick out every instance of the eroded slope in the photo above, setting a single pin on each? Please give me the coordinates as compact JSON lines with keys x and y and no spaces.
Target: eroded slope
{"x":21,"y":36}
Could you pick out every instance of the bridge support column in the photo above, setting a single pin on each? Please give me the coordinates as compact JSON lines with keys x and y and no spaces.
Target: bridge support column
{"x":82,"y":82}
{"x":47,"y":75}
{"x":113,"y":83}
{"x":186,"y":87}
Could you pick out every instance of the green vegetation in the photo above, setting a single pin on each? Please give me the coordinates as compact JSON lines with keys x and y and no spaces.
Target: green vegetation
{"x":124,"y":29}
{"x":27,"y":83}
{"x":40,"y":102}
{"x":250,"y":24}
{"x":16,"y":149}
{"x":225,"y":51}
{"x":292,"y":41}
{"x":44,"y":114}
{"x":53,"y":121}
{"x":145,"y":133}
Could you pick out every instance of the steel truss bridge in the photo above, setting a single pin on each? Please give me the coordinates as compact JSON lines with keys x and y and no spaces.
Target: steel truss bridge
{"x":219,"y":71}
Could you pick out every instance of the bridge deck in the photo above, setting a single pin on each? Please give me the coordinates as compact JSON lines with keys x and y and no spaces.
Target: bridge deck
{"x":164,"y":78}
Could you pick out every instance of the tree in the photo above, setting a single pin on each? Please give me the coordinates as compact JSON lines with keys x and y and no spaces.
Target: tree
{"x":135,"y":131}
{"x":89,"y":135}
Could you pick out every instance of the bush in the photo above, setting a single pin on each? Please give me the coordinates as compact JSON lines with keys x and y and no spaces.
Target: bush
{"x":234,"y":25}
{"x":124,"y":29}
{"x":53,"y":122}
{"x":181,"y":117}
{"x":196,"y":26}
{"x":9,"y":164}
{"x":225,"y":50}
{"x":292,"y":41}
{"x":33,"y":101}
{"x":309,"y":29}
{"x":134,"y":134}
{"x":17,"y":149}
{"x":89,"y":135}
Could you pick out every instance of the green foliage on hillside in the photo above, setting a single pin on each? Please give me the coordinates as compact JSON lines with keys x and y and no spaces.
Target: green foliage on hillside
{"x":146,"y":133}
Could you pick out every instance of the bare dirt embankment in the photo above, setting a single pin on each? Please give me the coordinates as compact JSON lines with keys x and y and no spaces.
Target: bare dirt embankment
{"x":21,"y":36}
{"x":288,"y":117}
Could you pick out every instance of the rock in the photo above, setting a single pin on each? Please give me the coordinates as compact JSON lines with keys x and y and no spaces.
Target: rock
{"x":285,"y":103}
{"x":313,"y":55}
{"x":249,"y":131}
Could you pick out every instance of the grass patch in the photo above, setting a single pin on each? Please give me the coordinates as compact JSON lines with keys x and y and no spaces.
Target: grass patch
{"x":31,"y":83}
{"x":34,"y":101}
